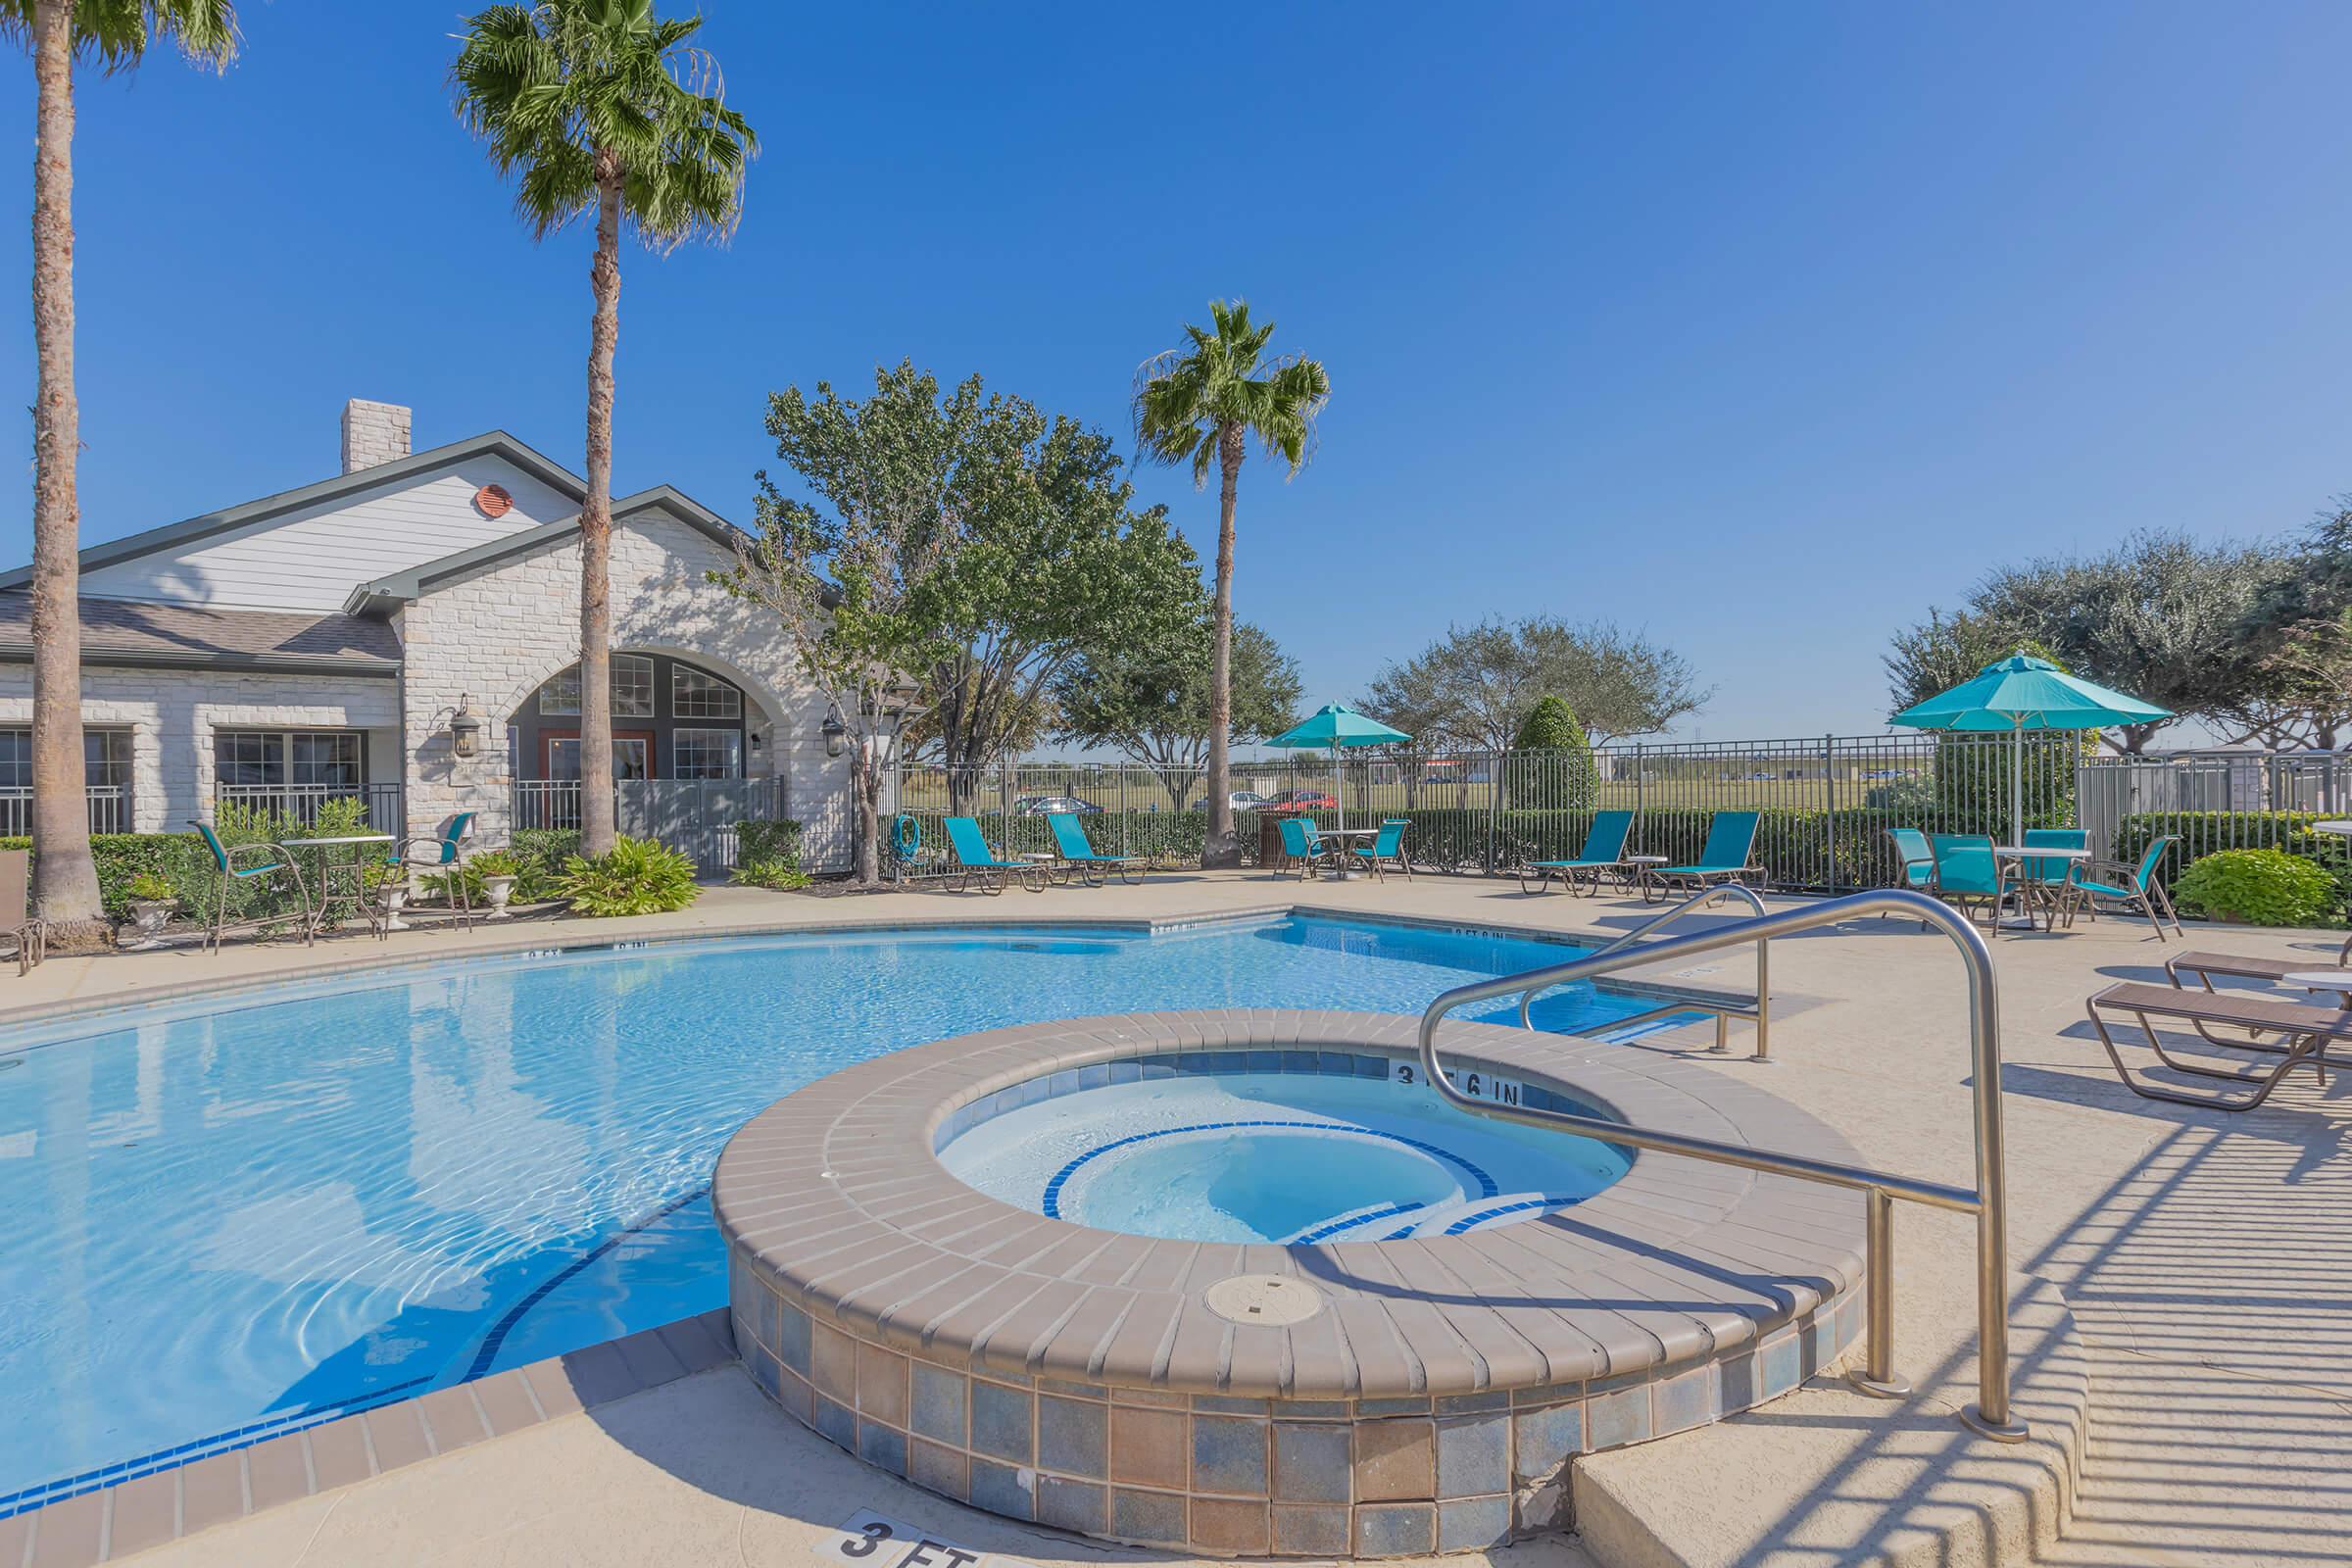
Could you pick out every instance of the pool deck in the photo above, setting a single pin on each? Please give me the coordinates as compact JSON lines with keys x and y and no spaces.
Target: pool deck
{"x":2181,"y":1294}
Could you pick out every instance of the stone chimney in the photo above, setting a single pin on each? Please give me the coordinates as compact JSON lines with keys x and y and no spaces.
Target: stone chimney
{"x":373,"y":433}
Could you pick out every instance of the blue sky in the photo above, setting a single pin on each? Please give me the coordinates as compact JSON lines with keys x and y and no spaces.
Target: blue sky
{"x":1760,"y":328}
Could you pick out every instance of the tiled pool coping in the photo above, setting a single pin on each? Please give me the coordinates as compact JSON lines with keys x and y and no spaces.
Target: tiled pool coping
{"x":1078,"y":1378}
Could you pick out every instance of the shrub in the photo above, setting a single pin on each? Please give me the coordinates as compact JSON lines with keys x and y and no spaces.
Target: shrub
{"x":2204,"y":833}
{"x":1552,"y":764}
{"x":641,"y":876}
{"x":768,"y":854}
{"x":496,"y":862}
{"x":542,"y":852}
{"x":2259,"y":887}
{"x":148,"y":888}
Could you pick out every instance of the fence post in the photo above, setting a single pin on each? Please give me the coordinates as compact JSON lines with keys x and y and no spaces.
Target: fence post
{"x":1494,"y":802}
{"x":1829,"y":786}
{"x":1640,"y":827}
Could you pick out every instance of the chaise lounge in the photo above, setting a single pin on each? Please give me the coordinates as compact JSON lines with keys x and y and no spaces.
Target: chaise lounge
{"x":980,"y":865}
{"x":2308,"y":1032}
{"x":1069,"y":840}
{"x":1726,"y":857}
{"x":1603,"y":851}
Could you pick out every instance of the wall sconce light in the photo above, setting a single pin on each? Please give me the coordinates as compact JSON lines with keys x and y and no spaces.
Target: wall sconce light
{"x":466,"y":727}
{"x":835,"y":732}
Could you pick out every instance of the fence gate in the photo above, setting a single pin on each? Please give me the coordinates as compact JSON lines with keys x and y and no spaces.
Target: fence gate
{"x":694,"y":815}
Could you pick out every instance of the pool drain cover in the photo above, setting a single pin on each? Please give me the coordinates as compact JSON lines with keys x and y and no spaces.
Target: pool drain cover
{"x":1270,"y":1299}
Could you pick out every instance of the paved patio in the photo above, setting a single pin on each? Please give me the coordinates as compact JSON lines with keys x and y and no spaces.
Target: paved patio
{"x":2186,"y":1273}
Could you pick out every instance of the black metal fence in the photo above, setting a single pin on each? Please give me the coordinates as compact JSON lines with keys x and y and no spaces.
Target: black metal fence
{"x":1824,"y":803}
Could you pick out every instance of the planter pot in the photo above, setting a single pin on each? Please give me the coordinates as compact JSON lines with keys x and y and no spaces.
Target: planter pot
{"x":148,"y":917}
{"x":396,"y":898}
{"x":499,"y":889}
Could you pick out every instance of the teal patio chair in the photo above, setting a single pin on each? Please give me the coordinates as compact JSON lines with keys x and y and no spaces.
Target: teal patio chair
{"x":440,"y":853}
{"x":2049,"y":878}
{"x":1387,"y":847}
{"x":275,"y":865}
{"x":1726,"y":857}
{"x":2118,"y":882}
{"x":1603,"y":851}
{"x":1968,"y":875}
{"x":1917,"y":858}
{"x":1069,"y":840}
{"x":980,"y":865}
{"x":1302,"y":846}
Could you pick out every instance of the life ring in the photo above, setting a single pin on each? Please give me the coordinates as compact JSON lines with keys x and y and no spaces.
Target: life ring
{"x":906,"y":833}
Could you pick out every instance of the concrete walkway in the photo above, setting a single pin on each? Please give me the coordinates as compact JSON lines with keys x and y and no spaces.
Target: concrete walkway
{"x":2191,"y":1270}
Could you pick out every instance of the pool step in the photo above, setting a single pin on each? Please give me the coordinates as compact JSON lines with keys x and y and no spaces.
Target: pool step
{"x":1470,"y":1213}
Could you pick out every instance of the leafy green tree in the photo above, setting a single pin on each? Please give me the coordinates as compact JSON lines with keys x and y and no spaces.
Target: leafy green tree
{"x":2294,"y":646}
{"x":114,"y":35}
{"x":597,"y":107}
{"x":1044,"y":556}
{"x":1552,"y":760}
{"x":2158,"y":618}
{"x":1476,"y":685}
{"x":852,"y":575}
{"x":1151,"y":700}
{"x":1944,"y":650}
{"x":1199,"y":405}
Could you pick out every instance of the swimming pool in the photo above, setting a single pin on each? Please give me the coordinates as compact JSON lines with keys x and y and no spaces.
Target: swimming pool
{"x":244,"y":1214}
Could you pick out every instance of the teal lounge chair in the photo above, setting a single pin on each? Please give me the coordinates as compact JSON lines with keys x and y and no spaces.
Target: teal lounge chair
{"x":1302,"y":846}
{"x":2121,"y":883}
{"x":1731,"y":840}
{"x":1069,"y":839}
{"x":1386,"y":846}
{"x":274,"y":864}
{"x":1968,"y":875}
{"x":1604,"y":850}
{"x":980,"y":865}
{"x":1917,"y":857}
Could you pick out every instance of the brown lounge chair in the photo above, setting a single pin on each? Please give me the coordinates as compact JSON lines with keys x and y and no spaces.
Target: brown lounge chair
{"x":2242,"y":966}
{"x":18,"y":924}
{"x":2307,"y":1031}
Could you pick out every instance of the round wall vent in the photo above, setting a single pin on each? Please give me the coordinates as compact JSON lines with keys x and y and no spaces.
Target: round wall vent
{"x":493,"y":500}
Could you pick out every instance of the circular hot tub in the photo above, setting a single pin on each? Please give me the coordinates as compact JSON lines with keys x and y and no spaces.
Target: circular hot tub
{"x":1171,"y":1149}
{"x":1240,"y":1283}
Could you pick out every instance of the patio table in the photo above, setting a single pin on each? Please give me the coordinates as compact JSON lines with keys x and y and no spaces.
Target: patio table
{"x":2338,"y":981}
{"x":352,"y":873}
{"x":1345,"y":871}
{"x":1633,"y":870}
{"x":2019,"y":853}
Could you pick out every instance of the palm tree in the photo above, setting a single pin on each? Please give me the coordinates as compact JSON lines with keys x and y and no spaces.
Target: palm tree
{"x":600,"y":107}
{"x":1200,"y":403}
{"x":114,"y":34}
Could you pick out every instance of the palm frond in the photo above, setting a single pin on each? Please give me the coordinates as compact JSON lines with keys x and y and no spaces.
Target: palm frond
{"x":1184,"y":397}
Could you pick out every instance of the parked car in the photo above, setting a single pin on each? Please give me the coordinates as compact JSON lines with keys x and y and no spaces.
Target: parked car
{"x":1054,"y":805}
{"x":1243,"y":800}
{"x":1305,"y":800}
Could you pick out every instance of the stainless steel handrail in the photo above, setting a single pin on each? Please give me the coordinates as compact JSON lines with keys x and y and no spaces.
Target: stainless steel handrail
{"x":1761,"y":1016}
{"x":1988,"y":1199}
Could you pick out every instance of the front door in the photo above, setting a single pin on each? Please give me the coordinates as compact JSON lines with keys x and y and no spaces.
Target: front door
{"x":632,"y":755}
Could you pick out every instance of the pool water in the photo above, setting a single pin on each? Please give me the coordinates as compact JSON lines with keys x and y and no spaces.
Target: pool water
{"x":238,"y":1215}
{"x":1284,"y":1157}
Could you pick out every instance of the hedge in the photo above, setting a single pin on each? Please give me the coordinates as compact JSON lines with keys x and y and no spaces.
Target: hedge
{"x":2203,"y":833}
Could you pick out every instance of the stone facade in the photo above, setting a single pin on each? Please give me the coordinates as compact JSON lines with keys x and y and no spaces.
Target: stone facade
{"x":495,"y":635}
{"x":171,"y":716}
{"x":373,"y":433}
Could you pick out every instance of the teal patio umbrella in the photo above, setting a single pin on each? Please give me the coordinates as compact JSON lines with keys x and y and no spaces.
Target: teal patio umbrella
{"x":2022,"y":693}
{"x":1336,"y":724}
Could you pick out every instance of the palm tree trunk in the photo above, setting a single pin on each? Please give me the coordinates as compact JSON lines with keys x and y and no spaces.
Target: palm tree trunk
{"x":65,"y":880}
{"x":596,"y":537}
{"x":1222,"y":848}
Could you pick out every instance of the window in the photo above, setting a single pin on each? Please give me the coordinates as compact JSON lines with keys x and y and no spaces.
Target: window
{"x":244,"y":757}
{"x":632,"y":686}
{"x":633,"y":689}
{"x":695,"y":694}
{"x":329,"y":760}
{"x":562,"y":693}
{"x":15,"y":758}
{"x":707,"y":754}
{"x":326,"y":759}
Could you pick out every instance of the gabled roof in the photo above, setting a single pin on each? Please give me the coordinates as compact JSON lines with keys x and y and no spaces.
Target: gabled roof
{"x":151,"y":636}
{"x":382,"y":596}
{"x":173,"y":536}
